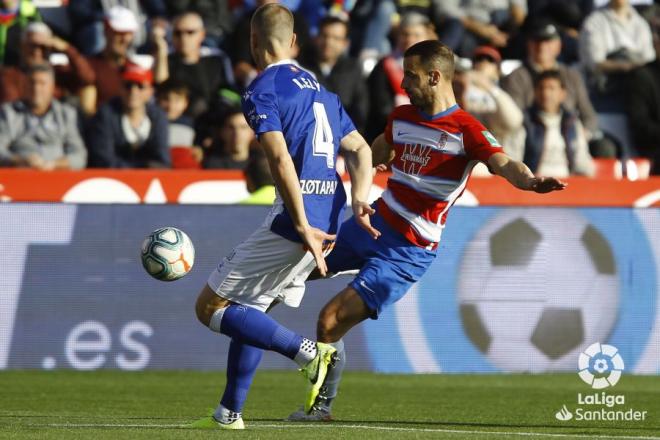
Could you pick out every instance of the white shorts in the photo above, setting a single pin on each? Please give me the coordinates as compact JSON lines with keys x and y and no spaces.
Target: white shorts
{"x":264,"y":268}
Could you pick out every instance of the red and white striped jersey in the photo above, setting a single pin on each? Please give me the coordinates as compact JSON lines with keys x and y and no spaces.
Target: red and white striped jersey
{"x":433,"y":160}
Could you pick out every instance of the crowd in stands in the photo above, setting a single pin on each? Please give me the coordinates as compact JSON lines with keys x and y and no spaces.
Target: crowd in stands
{"x":157,"y":83}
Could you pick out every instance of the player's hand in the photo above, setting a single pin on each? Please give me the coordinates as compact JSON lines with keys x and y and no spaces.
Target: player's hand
{"x":544,"y":185}
{"x":314,"y":240}
{"x":362,"y":211}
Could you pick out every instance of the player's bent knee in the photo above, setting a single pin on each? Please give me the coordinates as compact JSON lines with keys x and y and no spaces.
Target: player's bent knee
{"x":207,"y":304}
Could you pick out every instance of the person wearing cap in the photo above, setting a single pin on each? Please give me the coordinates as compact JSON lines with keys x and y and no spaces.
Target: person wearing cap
{"x":72,"y":78}
{"x":543,"y":49}
{"x":614,"y":41}
{"x":88,"y":17}
{"x":40,"y":132}
{"x":477,"y":91}
{"x":120,"y":26}
{"x":129,"y":131}
{"x":384,"y":82}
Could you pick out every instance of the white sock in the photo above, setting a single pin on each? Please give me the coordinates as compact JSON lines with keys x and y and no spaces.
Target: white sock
{"x":216,"y":319}
{"x":226,"y":416}
{"x":306,"y":352}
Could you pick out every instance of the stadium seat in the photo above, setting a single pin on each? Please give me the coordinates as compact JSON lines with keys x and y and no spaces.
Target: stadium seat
{"x":631,"y":169}
{"x":182,"y":158}
{"x":616,"y":125}
{"x":637,"y":168}
{"x":607,"y":168}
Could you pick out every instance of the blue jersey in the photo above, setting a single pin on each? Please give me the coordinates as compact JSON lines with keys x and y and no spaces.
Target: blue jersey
{"x":287,"y":98}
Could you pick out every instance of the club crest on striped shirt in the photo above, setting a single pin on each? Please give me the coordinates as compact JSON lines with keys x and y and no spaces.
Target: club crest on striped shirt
{"x":414,"y":157}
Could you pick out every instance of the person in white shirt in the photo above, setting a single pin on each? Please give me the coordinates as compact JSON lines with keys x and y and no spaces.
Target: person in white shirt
{"x":614,"y":40}
{"x":555,"y":143}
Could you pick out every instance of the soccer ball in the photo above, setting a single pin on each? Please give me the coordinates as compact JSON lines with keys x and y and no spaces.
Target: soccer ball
{"x":167,"y":254}
{"x":536,"y":287}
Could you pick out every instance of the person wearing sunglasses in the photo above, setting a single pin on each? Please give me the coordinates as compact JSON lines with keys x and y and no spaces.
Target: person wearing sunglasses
{"x":204,"y":71}
{"x":130,"y":131}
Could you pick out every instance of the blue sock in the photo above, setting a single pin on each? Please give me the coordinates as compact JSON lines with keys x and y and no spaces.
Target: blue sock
{"x":253,"y":327}
{"x":242,"y":363}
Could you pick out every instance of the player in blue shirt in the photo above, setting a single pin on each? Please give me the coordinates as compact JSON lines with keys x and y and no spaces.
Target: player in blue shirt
{"x":301,"y":128}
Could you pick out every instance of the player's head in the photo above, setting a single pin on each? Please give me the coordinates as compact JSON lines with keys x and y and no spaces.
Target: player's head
{"x":271,"y":35}
{"x":428,"y":70}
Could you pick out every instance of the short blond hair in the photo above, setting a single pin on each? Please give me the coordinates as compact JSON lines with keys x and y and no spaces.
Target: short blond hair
{"x":273,"y":22}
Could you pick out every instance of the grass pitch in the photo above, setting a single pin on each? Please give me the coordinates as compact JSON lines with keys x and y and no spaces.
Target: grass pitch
{"x":154,"y":405}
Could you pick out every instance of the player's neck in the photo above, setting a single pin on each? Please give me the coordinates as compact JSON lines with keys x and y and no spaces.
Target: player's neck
{"x":439,"y":105}
{"x":271,"y":57}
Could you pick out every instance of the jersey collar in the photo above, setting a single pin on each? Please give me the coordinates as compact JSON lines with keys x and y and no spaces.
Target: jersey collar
{"x":449,"y":111}
{"x":291,"y":61}
{"x":282,"y":62}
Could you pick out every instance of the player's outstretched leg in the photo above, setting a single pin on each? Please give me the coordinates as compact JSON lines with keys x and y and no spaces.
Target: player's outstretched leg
{"x":321,"y":408}
{"x":338,"y":316}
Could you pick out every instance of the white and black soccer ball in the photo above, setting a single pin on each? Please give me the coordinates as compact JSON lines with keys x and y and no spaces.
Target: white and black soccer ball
{"x":167,"y":254}
{"x":536,"y":287}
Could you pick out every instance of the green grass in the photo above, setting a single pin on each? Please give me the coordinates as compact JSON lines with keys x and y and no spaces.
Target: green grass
{"x":64,"y":404}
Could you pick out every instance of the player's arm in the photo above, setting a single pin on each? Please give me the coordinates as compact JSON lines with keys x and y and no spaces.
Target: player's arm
{"x":357,"y":154}
{"x":382,"y":152}
{"x":520,"y":176}
{"x":286,"y":180}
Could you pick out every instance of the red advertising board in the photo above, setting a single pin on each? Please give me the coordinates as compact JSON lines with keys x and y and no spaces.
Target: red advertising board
{"x":223,"y":187}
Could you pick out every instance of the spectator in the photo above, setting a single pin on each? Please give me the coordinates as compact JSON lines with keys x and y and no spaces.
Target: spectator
{"x":555,"y":144}
{"x":129,"y":131}
{"x":644,"y":107}
{"x":204,"y":76}
{"x":614,"y":41}
{"x":173,"y":98}
{"x":491,"y":22}
{"x":568,"y":16}
{"x":336,"y":71}
{"x":40,"y":132}
{"x":231,"y":148}
{"x":218,"y":19}
{"x":477,"y":92}
{"x":543,"y":49}
{"x":120,"y":26}
{"x":73,"y":78}
{"x":15,"y":15}
{"x":259,"y":180}
{"x":384,"y":83}
{"x":89,"y":16}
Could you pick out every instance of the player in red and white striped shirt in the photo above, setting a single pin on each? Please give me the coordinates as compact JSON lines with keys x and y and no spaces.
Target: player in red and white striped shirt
{"x":432,"y":146}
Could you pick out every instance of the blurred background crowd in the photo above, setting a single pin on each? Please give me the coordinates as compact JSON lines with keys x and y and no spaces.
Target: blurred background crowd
{"x":565,"y":85}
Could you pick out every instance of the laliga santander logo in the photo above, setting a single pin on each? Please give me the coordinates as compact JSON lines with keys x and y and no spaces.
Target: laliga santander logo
{"x":600,"y":366}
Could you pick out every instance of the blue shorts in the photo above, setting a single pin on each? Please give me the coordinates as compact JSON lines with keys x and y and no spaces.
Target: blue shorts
{"x":388,"y":266}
